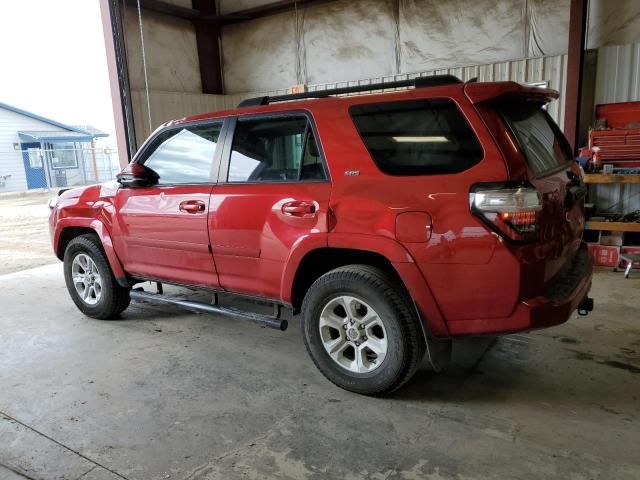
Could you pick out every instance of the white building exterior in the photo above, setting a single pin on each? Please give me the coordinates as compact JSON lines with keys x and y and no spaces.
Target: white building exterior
{"x":37,"y":152}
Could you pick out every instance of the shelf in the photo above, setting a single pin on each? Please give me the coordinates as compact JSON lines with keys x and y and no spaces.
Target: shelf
{"x":613,"y":226}
{"x":610,"y":178}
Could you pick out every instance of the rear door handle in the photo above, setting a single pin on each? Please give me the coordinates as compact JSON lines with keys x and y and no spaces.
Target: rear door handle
{"x":192,"y":206}
{"x":299,"y":209}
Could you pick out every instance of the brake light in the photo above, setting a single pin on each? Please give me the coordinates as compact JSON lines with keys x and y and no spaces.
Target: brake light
{"x":510,"y":209}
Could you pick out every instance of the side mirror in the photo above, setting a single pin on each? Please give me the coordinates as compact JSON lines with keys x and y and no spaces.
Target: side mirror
{"x":137,"y":175}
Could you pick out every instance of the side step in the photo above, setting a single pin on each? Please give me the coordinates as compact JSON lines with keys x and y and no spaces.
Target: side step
{"x":264,"y":320}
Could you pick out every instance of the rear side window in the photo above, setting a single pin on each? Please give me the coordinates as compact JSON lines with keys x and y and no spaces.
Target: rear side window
{"x":544,"y":145}
{"x":417,"y":137}
{"x":276,"y":149}
{"x":184,"y":155}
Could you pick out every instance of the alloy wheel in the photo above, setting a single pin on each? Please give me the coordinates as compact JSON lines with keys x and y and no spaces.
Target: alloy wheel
{"x":86,"y":279}
{"x":353,"y":334}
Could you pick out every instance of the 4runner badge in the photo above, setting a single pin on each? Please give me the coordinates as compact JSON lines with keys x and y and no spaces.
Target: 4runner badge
{"x":351,"y":173}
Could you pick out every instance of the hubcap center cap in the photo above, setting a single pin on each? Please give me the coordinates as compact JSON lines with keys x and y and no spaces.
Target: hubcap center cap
{"x":353,"y":333}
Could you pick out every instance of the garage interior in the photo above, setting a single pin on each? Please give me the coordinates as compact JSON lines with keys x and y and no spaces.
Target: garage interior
{"x":168,"y":394}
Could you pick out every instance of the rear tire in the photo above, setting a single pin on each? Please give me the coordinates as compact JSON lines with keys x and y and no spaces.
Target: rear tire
{"x":90,"y":281}
{"x":361,"y":330}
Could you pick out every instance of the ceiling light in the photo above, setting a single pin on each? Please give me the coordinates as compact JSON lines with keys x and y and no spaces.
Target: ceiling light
{"x":431,"y":139}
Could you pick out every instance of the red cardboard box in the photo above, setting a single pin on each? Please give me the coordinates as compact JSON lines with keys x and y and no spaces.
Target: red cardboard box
{"x":604,"y":255}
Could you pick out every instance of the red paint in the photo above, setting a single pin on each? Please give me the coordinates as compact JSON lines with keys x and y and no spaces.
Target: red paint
{"x":250,"y":238}
{"x":156,"y":238}
{"x":413,"y":227}
{"x":252,"y":234}
{"x":619,"y":115}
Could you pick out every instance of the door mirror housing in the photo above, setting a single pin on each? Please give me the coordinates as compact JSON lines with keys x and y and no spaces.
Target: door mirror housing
{"x":137,"y":175}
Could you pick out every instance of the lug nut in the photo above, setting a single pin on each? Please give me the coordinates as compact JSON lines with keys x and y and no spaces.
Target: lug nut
{"x":344,"y":327}
{"x":364,"y":339}
{"x":357,"y":344}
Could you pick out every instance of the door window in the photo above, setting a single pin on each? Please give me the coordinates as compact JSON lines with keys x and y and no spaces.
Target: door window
{"x":274,"y":150}
{"x":185,"y":155}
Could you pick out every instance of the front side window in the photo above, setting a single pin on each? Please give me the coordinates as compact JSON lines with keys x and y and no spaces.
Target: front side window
{"x":276,"y":149}
{"x":417,"y":137}
{"x":185,"y":155}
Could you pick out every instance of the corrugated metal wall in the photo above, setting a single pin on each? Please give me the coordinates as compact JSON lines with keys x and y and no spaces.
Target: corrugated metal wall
{"x":170,"y":105}
{"x":552,"y":70}
{"x":615,"y":198}
{"x":167,"y":106}
{"x":618,"y":74}
{"x":617,"y":80}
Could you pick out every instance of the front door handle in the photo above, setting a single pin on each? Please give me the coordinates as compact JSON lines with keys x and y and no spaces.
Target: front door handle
{"x":192,"y":206}
{"x":299,"y":209}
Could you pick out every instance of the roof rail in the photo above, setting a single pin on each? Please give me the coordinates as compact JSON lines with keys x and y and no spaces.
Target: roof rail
{"x":418,"y":82}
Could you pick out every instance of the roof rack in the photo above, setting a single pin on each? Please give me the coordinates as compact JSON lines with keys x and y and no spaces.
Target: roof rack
{"x":419,"y":82}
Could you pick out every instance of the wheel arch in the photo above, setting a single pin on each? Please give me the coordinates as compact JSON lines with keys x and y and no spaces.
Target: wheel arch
{"x":68,"y":234}
{"x":68,"y":229}
{"x":316,"y":262}
{"x":322,"y":260}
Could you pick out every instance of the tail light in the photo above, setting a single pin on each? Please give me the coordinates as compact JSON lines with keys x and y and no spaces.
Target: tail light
{"x":511,"y":209}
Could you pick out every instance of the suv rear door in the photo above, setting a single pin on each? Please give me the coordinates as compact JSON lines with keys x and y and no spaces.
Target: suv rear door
{"x":552,"y":171}
{"x":272,"y":191}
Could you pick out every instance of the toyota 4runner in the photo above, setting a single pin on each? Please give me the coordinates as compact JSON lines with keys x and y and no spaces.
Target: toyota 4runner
{"x":392,"y":221}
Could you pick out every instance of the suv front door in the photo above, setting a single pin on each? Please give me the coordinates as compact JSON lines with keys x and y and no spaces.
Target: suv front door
{"x":272,"y":191}
{"x":161,"y":230}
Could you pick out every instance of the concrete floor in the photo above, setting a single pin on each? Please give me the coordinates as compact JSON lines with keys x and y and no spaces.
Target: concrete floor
{"x":24,"y":232}
{"x":164,"y":394}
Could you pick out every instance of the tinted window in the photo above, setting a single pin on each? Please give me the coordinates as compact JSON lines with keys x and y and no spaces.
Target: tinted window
{"x":185,"y":155}
{"x":418,"y":137}
{"x":274,"y":150}
{"x":544,"y":145}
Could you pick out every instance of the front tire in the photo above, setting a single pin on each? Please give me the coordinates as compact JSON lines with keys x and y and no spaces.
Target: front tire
{"x":361,"y":330}
{"x":90,"y":281}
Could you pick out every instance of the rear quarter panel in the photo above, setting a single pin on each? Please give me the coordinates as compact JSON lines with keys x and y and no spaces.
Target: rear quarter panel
{"x":470,"y":271}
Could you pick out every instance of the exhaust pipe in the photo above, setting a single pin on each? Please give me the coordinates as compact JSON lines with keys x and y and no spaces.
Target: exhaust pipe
{"x":585,"y":306}
{"x":200,"y":307}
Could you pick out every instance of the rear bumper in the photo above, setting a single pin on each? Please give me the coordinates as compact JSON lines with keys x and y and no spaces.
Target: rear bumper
{"x":554,"y":307}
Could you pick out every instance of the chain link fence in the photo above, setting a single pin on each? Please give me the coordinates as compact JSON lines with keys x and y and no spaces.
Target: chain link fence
{"x":53,"y":168}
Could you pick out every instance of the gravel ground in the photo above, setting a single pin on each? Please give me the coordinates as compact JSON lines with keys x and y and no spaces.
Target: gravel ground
{"x":24,"y":232}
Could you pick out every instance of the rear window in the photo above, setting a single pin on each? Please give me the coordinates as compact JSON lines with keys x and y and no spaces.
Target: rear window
{"x":417,"y":137}
{"x":543,"y":143}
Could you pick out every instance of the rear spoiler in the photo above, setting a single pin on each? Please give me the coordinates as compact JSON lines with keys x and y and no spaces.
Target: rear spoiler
{"x":478,"y":92}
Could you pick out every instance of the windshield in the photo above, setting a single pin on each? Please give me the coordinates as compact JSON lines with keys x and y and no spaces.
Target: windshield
{"x":543,"y":143}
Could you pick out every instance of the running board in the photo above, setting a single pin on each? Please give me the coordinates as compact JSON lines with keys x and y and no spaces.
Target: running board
{"x":263,"y":320}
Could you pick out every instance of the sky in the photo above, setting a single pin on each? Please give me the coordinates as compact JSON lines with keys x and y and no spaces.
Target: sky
{"x":53,"y":61}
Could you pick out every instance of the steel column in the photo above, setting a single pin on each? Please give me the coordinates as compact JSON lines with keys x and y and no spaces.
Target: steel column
{"x":208,"y":41}
{"x":575,"y":63}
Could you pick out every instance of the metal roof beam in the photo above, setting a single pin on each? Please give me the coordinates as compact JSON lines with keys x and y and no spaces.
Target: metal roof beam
{"x":269,"y":9}
{"x":192,"y":14}
{"x":166,"y":8}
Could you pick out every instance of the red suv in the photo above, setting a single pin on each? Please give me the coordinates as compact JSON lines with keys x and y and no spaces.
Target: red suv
{"x":391,"y":221}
